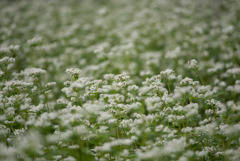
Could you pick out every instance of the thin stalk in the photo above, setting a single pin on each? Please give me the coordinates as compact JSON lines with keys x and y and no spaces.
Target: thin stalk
{"x":199,"y":75}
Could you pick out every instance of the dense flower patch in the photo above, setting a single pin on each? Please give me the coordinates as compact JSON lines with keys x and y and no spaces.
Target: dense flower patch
{"x":119,"y":80}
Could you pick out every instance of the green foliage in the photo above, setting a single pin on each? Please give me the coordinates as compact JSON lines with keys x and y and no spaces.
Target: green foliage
{"x":119,"y":80}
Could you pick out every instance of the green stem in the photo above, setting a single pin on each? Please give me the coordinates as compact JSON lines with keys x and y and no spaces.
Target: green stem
{"x":169,"y":89}
{"x":199,"y":75}
{"x":34,"y":58}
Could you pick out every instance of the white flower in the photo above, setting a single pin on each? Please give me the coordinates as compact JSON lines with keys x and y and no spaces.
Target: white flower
{"x":103,"y":129}
{"x":173,"y":53}
{"x":33,"y":72}
{"x":93,"y":108}
{"x":81,"y":130}
{"x":234,"y":71}
{"x":159,"y":128}
{"x":74,"y":71}
{"x":51,"y":84}
{"x":7,"y":60}
{"x":109,"y":76}
{"x":34,"y":41}
{"x":104,"y":116}
{"x":192,"y":64}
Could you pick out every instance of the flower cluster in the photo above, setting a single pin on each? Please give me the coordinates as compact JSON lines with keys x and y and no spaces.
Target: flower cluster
{"x":143,"y":81}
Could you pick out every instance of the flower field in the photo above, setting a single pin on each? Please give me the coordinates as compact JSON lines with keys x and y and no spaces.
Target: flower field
{"x":119,"y":80}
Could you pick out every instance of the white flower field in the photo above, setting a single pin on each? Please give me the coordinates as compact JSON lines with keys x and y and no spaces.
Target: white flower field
{"x":119,"y":80}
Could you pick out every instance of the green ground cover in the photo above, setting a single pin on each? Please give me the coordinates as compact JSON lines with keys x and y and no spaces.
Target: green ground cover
{"x":119,"y":80}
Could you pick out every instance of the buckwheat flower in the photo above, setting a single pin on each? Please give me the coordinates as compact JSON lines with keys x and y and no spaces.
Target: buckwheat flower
{"x":107,"y":155}
{"x":14,"y":47}
{"x":201,"y":153}
{"x":192,"y":64}
{"x":122,"y":142}
{"x":135,"y":131}
{"x":19,"y":119}
{"x":1,"y":73}
{"x":191,"y":141}
{"x":104,"y":116}
{"x":73,"y":99}
{"x":133,"y":88}
{"x":126,"y":123}
{"x":105,"y":147}
{"x":219,"y":154}
{"x":230,"y":88}
{"x":34,"y":41}
{"x":62,"y":100}
{"x":211,"y":149}
{"x":228,"y":29}
{"x":134,"y":106}
{"x":67,"y":91}
{"x":209,"y":111}
{"x":217,"y":67}
{"x":93,"y":108}
{"x":233,"y":71}
{"x":37,"y":108}
{"x":102,"y":129}
{"x":173,"y":53}
{"x":112,"y":121}
{"x":173,"y":146}
{"x":18,"y":84}
{"x":145,"y":73}
{"x":183,"y":158}
{"x":167,"y":72}
{"x":144,"y":90}
{"x":69,"y":158}
{"x":11,"y":100}
{"x":80,"y":130}
{"x":7,"y":153}
{"x":171,"y":117}
{"x":125,"y":153}
{"x":235,"y":88}
{"x":230,"y":130}
{"x":67,"y":83}
{"x":159,"y":128}
{"x":50,"y":84}
{"x":147,"y":130}
{"x":34,"y":89}
{"x":230,"y":104}
{"x":150,"y":101}
{"x":73,"y":147}
{"x":150,"y":118}
{"x":186,"y":81}
{"x":167,"y":98}
{"x":57,"y":157}
{"x":192,"y":109}
{"x":4,"y":130}
{"x":222,"y":84}
{"x":121,"y":77}
{"x":138,"y":121}
{"x":30,"y":143}
{"x":233,"y":154}
{"x":210,"y":128}
{"x":75,"y":72}
{"x":4,"y":50}
{"x":166,"y":130}
{"x":19,"y":131}
{"x":153,"y":153}
{"x":2,"y":118}
{"x":35,"y":72}
{"x":186,"y":129}
{"x":7,"y":60}
{"x":120,"y":85}
{"x":108,"y":76}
